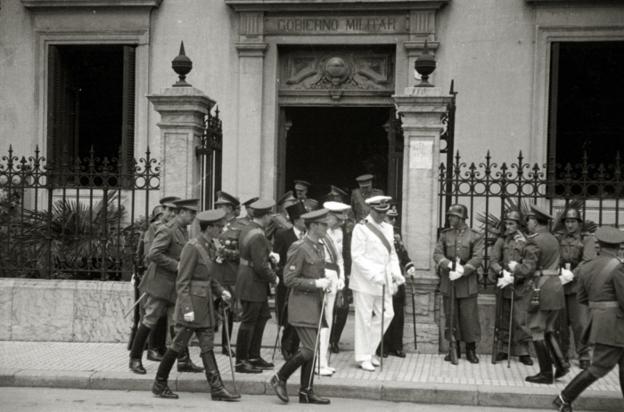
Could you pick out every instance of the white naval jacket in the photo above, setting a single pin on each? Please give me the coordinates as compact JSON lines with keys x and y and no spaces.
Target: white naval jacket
{"x":371,"y":264}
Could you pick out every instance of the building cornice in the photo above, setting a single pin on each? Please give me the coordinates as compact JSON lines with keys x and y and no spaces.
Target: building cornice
{"x":39,"y":4}
{"x":326,"y":5}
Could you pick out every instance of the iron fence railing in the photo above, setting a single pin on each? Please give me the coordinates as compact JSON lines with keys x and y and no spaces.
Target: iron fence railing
{"x":78,"y":220}
{"x":488,"y":188}
{"x":210,"y":155}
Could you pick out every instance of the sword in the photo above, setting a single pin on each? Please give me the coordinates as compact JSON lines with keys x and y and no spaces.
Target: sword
{"x":316,"y":342}
{"x":229,"y":347}
{"x":125,"y":315}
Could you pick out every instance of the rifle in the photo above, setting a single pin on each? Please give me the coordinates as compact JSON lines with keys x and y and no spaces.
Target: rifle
{"x":497,"y":324}
{"x":452,"y":339}
{"x":414,"y":315}
{"x":510,"y":333}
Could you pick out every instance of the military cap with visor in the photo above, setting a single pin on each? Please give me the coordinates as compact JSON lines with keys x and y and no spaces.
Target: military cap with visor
{"x":286,"y":197}
{"x":364,"y":178}
{"x":189,"y":204}
{"x":336,"y":194}
{"x":224,"y":198}
{"x":302,"y":184}
{"x":393,"y":212}
{"x":167,"y":201}
{"x":609,"y":235}
{"x":379,"y":203}
{"x":262,"y":206}
{"x":211,"y":216}
{"x":317,"y":216}
{"x":249,"y":201}
{"x":538,"y":212}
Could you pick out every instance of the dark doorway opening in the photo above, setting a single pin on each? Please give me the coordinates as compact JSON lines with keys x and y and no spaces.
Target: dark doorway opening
{"x":333,"y":145}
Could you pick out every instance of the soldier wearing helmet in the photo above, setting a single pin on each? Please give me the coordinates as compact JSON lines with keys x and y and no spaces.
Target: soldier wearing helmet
{"x":509,"y":247}
{"x":576,"y":247}
{"x":458,"y":254}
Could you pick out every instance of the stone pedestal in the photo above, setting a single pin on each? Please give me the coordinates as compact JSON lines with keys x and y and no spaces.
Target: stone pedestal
{"x":421,"y":110}
{"x":182,"y":111}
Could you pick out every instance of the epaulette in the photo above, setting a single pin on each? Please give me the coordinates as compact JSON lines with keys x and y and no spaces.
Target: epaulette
{"x":446,"y":229}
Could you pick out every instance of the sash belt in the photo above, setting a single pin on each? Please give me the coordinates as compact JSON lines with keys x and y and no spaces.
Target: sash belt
{"x":604,"y":304}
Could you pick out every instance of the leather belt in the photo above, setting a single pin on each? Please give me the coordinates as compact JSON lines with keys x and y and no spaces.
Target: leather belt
{"x":245,"y":262}
{"x":200,"y":283}
{"x":604,"y":304}
{"x":549,"y":273}
{"x":332,"y":266}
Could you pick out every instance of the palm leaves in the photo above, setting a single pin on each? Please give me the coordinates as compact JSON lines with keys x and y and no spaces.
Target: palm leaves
{"x":493,"y":226}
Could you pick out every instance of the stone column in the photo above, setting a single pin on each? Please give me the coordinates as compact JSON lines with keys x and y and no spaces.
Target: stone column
{"x":182,"y":110}
{"x":421,"y":110}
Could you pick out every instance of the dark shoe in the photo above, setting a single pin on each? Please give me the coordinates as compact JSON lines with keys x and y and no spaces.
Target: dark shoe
{"x":161,"y":390}
{"x":154,"y":355}
{"x":246,"y":367}
{"x":185,"y":364}
{"x":279,"y":386}
{"x":334,"y":348}
{"x":137,"y":367}
{"x":562,"y":366}
{"x":217,"y":390}
{"x":448,"y":355}
{"x":224,"y":351}
{"x":561,"y":405}
{"x":261,"y":364}
{"x":471,"y":352}
{"x":526,"y":360}
{"x":398,"y":353}
{"x":378,"y":352}
{"x":584,"y":364}
{"x":308,"y":396}
{"x":545,"y":363}
{"x":501,"y":356}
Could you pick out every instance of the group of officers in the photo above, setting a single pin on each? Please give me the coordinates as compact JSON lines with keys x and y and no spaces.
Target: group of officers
{"x":549,"y":284}
{"x":319,"y":258}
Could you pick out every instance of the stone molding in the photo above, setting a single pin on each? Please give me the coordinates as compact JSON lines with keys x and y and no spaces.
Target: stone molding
{"x":36,"y":4}
{"x":254,"y":49}
{"x":323,"y":5}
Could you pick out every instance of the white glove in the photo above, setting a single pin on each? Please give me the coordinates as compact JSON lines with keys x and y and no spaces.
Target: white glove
{"x":341,"y":284}
{"x":450,"y":265}
{"x":276,"y":281}
{"x":322,"y":283}
{"x":411,"y":272}
{"x":512,"y":265}
{"x":453,"y":275}
{"x":566,"y":276}
{"x":459,"y":268}
{"x":226,"y":296}
{"x":189,"y":317}
{"x":505,"y":280}
{"x":331,"y":275}
{"x":275,"y":257}
{"x":398,"y":279}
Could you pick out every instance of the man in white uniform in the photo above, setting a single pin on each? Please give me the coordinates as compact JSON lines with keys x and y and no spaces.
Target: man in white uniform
{"x":334,"y":271}
{"x":375,"y":276}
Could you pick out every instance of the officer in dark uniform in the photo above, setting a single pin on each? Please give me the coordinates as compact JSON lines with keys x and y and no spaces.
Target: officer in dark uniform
{"x":363,"y":192}
{"x":230,"y":205}
{"x":194,"y":309}
{"x":601,"y":286}
{"x":159,"y":282}
{"x":393,"y":338}
{"x":304,"y":275}
{"x":540,"y":266}
{"x":283,"y":239}
{"x":255,"y":273}
{"x":510,"y":248}
{"x":301,"y":194}
{"x":247,"y":218}
{"x":576,"y":247}
{"x":458,"y":254}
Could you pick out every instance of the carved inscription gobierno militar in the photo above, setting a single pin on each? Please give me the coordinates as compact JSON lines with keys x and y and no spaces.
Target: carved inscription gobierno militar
{"x":335,"y":25}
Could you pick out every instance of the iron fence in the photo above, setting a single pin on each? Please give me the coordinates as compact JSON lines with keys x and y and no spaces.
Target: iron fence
{"x":209,"y":152}
{"x":487,"y":188}
{"x":78,"y":220}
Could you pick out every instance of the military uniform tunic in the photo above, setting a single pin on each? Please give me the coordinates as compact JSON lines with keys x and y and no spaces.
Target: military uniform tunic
{"x":467,"y":244}
{"x":358,"y":202}
{"x":601,"y":286}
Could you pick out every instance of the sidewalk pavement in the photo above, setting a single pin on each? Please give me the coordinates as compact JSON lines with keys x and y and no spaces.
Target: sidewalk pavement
{"x":421,"y":378}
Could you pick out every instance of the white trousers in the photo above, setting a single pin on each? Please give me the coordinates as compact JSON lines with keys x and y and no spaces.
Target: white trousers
{"x":330,"y":299}
{"x":368,"y":323}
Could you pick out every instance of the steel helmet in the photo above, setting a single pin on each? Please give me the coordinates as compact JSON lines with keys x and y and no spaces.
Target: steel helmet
{"x":572,"y":214}
{"x":457,"y":210}
{"x":514,"y":215}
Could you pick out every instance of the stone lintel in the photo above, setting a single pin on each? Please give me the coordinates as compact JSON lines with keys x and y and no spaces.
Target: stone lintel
{"x":37,"y":4}
{"x":332,"y":5}
{"x":186,"y":104}
{"x":414,"y":48}
{"x":251,"y":49}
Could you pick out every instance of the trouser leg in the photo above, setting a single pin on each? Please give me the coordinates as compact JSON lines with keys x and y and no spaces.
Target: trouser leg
{"x":158,"y":337}
{"x":340,"y":320}
{"x":376,"y":334}
{"x":325,"y":330}
{"x":245,"y":331}
{"x":363,"y":325}
{"x":393,"y":338}
{"x":522,"y":334}
{"x":578,"y":317}
{"x":468,"y":318}
{"x":258,"y":330}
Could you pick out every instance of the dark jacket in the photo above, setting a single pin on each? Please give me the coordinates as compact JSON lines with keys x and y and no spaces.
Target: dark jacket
{"x":575,"y":249}
{"x":360,"y":208}
{"x":196,"y":286}
{"x":282,"y":241}
{"x":254,"y":271}
{"x":507,"y":249}
{"x":163,"y":257}
{"x":540,"y":265}
{"x":600,"y":283}
{"x":467,"y":244}
{"x":305,"y":264}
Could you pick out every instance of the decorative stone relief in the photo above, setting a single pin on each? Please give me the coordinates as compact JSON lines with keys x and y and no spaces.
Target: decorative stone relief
{"x":337,"y":70}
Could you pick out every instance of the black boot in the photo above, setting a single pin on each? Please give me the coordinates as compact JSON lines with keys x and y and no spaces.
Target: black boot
{"x":185,"y":364}
{"x":217,"y":390}
{"x":526,"y":360}
{"x":306,"y":394}
{"x":471,"y":352}
{"x":278,"y":381}
{"x":580,"y":382}
{"x":622,"y":375}
{"x":562,"y":367}
{"x":448,"y":355}
{"x":160,"y":387}
{"x":136,"y":353}
{"x":545,"y":374}
{"x":154,"y":355}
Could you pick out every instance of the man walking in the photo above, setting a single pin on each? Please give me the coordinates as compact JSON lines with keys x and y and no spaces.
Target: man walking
{"x":305,"y":277}
{"x":458,"y":254}
{"x":255,"y":274}
{"x":601,"y":286}
{"x":194,"y":308}
{"x":159,"y":283}
{"x":375,"y":275}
